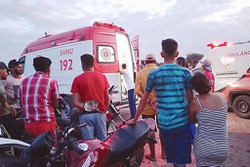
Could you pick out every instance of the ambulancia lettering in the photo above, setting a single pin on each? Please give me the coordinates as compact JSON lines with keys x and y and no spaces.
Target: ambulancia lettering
{"x":237,"y":54}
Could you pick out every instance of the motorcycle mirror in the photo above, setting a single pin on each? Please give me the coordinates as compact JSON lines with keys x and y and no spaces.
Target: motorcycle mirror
{"x":110,"y":89}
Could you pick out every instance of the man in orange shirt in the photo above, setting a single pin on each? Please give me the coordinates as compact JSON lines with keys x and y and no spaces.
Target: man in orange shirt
{"x":140,"y":85}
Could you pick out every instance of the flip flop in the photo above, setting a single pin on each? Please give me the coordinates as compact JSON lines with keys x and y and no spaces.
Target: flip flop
{"x":150,"y":158}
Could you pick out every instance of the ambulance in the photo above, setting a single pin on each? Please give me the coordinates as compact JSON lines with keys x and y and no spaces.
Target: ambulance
{"x":109,"y":44}
{"x":231,"y":68}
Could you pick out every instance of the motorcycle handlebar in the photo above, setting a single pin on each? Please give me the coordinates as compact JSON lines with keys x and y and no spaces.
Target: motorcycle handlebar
{"x":82,"y":125}
{"x":65,"y":139}
{"x":111,"y":89}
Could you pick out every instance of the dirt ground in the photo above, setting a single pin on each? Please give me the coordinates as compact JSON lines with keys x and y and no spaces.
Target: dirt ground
{"x":239,"y":138}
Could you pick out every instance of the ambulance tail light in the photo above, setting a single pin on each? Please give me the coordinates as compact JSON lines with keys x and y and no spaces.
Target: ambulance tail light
{"x":213,"y":45}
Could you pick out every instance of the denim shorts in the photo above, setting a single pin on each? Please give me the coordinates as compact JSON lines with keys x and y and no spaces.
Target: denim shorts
{"x":177,"y":143}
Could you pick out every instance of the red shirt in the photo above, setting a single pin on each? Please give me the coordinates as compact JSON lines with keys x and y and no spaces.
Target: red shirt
{"x":91,"y":86}
{"x":210,"y":76}
{"x":37,"y":92}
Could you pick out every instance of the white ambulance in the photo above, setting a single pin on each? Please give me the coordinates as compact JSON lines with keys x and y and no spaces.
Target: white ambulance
{"x":231,"y":67}
{"x":110,"y":45}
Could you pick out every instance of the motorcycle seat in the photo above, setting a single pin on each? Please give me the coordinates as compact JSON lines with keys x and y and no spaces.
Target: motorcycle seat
{"x":124,"y":141}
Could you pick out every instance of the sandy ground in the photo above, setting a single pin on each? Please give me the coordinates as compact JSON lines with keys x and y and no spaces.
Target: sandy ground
{"x":239,"y":138}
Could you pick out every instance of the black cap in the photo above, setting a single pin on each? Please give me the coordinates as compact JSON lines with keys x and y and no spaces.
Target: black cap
{"x":3,"y":65}
{"x":14,"y":63}
{"x":41,"y":63}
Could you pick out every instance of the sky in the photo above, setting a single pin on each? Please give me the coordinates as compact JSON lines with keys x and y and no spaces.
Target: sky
{"x":192,"y":23}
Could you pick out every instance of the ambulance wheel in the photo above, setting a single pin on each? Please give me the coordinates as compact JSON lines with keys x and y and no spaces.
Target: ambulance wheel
{"x":65,"y":112}
{"x":241,"y":106}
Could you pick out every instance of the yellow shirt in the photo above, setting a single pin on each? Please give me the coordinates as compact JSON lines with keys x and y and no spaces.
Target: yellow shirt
{"x":140,"y":85}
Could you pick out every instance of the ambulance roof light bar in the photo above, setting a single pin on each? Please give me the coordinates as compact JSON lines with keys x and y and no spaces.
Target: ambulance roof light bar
{"x":107,"y":25}
{"x":213,"y":45}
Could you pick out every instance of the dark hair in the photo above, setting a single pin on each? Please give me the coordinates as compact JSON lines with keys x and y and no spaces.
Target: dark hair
{"x":87,"y":60}
{"x":169,"y":46}
{"x":13,"y":63}
{"x":41,"y":63}
{"x":181,"y":61}
{"x":201,"y":83}
{"x":124,"y":66}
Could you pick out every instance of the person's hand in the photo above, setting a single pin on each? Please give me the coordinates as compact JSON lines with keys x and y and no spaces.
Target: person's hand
{"x":13,"y":111}
{"x":153,"y":104}
{"x":131,"y":122}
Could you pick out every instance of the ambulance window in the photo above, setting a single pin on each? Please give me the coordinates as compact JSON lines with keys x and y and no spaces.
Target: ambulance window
{"x":106,"y":54}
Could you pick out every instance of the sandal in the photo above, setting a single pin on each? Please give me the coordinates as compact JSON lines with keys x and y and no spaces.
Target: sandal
{"x":150,"y":158}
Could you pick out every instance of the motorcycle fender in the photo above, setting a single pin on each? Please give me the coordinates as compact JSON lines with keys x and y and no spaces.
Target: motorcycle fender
{"x":95,"y":155}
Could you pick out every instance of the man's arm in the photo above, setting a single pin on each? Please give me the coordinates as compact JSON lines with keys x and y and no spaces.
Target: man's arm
{"x":122,"y":72}
{"x":141,"y":106}
{"x":55,"y":95}
{"x":77,"y":101}
{"x":106,"y":96}
{"x":190,"y":95}
{"x":3,"y":100}
{"x":138,"y":86}
{"x":55,"y":103}
{"x":192,"y":110}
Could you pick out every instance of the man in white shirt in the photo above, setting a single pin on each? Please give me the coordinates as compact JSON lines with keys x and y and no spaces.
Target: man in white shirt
{"x":11,"y":84}
{"x":130,"y":86}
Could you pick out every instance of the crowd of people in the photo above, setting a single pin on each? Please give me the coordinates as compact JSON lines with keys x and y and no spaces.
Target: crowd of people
{"x":182,"y":100}
{"x":166,"y":94}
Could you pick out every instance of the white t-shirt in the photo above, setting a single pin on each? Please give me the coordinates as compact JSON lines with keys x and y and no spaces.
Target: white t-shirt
{"x":128,"y":79}
{"x":12,"y":89}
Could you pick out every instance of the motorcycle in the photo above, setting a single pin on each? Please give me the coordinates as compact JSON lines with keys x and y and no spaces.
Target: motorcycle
{"x":114,"y":118}
{"x":123,"y":148}
{"x":10,"y":149}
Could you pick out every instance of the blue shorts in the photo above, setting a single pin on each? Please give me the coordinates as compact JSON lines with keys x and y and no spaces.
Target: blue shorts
{"x":177,"y":143}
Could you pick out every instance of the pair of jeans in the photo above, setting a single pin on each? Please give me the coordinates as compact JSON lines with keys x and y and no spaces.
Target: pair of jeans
{"x":131,"y":101}
{"x":96,"y":126}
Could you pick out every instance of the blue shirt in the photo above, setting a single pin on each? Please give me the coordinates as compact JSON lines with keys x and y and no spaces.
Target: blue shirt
{"x":170,"y":82}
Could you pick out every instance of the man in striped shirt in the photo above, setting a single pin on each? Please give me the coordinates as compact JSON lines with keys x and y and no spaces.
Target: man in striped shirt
{"x":172,"y":84}
{"x":39,"y":96}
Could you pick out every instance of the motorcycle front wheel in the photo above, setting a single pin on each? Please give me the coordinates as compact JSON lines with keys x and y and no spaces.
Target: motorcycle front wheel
{"x":135,"y":159}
